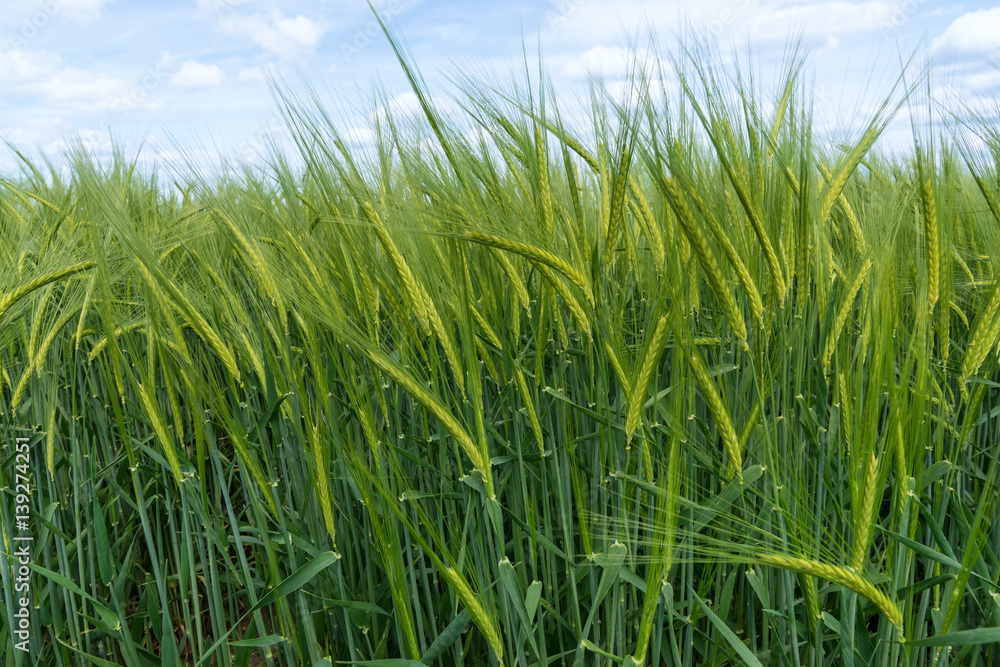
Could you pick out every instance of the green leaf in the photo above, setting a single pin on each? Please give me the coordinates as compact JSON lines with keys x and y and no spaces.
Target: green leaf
{"x":109,"y":617}
{"x":359,"y":606}
{"x":746,"y":654}
{"x":616,"y":556}
{"x":509,"y":578}
{"x":102,"y":543}
{"x":266,"y":417}
{"x":259,"y":642}
{"x":961,"y":638}
{"x":100,"y":662}
{"x":592,"y":647}
{"x":447,"y":638}
{"x":295,"y":581}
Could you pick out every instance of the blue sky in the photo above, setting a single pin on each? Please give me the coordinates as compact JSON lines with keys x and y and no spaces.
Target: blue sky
{"x":188,"y":77}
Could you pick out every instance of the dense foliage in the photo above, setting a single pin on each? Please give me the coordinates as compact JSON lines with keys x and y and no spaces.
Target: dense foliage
{"x":691,"y":387}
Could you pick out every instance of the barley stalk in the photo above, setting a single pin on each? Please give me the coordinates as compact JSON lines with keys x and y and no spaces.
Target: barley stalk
{"x":838,"y":575}
{"x":644,"y":377}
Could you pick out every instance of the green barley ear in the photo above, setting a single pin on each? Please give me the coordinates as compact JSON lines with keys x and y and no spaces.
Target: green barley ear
{"x":706,"y":256}
{"x":21,"y":291}
{"x":844,"y":312}
{"x":839,"y":575}
{"x":723,"y":419}
{"x":983,"y":337}
{"x":637,"y":393}
{"x":931,"y":241}
{"x":864,"y":519}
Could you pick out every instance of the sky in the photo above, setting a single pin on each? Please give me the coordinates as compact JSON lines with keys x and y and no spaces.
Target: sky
{"x":171,"y":81}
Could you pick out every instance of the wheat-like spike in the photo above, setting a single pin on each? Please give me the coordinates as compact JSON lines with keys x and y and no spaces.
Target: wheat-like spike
{"x":750,"y":425}
{"x":616,"y":204}
{"x":753,"y":294}
{"x":931,"y":241}
{"x":119,"y":331}
{"x":774,"y":268}
{"x":983,"y":336}
{"x":961,"y":315}
{"x":529,"y":407}
{"x":83,"y":311}
{"x":571,"y":302}
{"x":645,"y":376}
{"x":174,"y":400}
{"x":444,"y":334}
{"x":166,"y":311}
{"x":27,"y":288}
{"x":536,"y":255}
{"x":517,"y":285}
{"x":250,"y":352}
{"x":809,"y":595}
{"x":326,"y":502}
{"x":50,"y":436}
{"x":835,"y":185}
{"x":706,"y":257}
{"x":484,"y":325}
{"x":435,"y":407}
{"x":541,"y":155}
{"x":616,"y":366}
{"x":964,"y":266}
{"x":852,"y":221}
{"x":604,"y":188}
{"x":863,"y":520}
{"x":257,"y":261}
{"x":160,"y":429}
{"x":723,"y":420}
{"x":991,"y":199}
{"x":475,"y":609}
{"x":39,"y":357}
{"x":574,"y":146}
{"x":399,"y":265}
{"x":843,"y":312}
{"x":43,"y":302}
{"x":200,"y":324}
{"x":645,"y":213}
{"x":838,"y":575}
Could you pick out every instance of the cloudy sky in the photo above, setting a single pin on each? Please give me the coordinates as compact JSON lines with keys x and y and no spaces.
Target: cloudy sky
{"x":190,"y":76}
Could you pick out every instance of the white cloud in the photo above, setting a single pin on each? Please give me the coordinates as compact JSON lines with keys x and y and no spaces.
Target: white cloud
{"x":193,"y":74}
{"x":251,"y":75}
{"x":274,"y":32}
{"x":974,"y":31}
{"x":41,"y":75}
{"x":589,"y":22}
{"x":29,"y":17}
{"x":27,"y":65}
{"x":84,"y":6}
{"x":824,"y":20}
{"x":610,"y":62}
{"x":407,"y":104}
{"x":360,"y":135}
{"x":93,"y":89}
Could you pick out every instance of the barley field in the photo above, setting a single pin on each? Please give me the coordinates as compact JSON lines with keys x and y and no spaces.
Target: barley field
{"x":688,"y":386}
